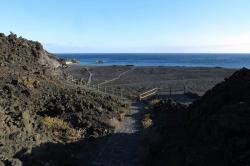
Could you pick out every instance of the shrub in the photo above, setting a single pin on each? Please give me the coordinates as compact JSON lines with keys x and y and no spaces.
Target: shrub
{"x":55,"y":123}
{"x":147,"y":121}
{"x":123,"y":113}
{"x":114,"y":123}
{"x":62,"y":129}
{"x":154,"y":102}
{"x":29,"y":82}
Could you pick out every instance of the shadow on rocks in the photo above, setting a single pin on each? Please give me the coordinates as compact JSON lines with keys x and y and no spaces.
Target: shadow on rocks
{"x":81,"y":153}
{"x":115,"y":149}
{"x":63,"y":154}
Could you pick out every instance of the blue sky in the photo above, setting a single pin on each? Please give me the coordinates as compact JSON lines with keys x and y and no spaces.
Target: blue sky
{"x":131,"y":25}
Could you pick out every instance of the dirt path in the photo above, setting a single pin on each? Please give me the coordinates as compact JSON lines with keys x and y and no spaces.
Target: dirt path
{"x":122,"y":148}
{"x":90,"y":76}
{"x":116,"y":78}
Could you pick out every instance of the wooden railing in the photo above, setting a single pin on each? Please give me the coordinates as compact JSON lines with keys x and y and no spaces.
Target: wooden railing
{"x":121,"y":94}
{"x":148,"y":93}
{"x":163,"y":91}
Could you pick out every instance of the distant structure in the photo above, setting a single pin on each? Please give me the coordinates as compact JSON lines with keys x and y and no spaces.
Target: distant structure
{"x":72,"y":61}
{"x":99,"y":61}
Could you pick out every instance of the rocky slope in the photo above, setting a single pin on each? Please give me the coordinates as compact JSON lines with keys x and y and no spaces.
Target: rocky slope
{"x":38,"y":107}
{"x":212,"y":131}
{"x":221,"y":121}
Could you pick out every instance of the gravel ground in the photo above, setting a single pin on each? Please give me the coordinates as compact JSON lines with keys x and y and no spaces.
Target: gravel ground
{"x":122,"y":148}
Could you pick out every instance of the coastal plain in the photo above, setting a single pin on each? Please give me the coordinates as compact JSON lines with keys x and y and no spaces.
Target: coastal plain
{"x":133,"y":80}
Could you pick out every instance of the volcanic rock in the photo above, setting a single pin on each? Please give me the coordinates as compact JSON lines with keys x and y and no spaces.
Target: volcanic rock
{"x":39,"y":106}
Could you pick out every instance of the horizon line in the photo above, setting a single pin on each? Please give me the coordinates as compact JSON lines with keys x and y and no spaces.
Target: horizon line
{"x":144,"y":53}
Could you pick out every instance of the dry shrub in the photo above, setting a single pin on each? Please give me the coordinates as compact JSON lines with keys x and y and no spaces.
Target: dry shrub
{"x":121,"y":116}
{"x":62,"y":129}
{"x":29,"y":82}
{"x":114,"y":123}
{"x":123,"y":113}
{"x":55,"y":123}
{"x":147,"y":121}
{"x":154,"y":102}
{"x":74,"y":135}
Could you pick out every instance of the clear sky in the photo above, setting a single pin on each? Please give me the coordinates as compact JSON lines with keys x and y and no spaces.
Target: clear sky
{"x":131,"y":25}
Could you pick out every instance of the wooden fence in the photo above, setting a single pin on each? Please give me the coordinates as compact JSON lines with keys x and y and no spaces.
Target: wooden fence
{"x":148,"y":93}
{"x":120,"y":93}
{"x":162,"y":91}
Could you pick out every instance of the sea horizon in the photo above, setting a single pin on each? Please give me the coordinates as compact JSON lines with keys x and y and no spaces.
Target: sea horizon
{"x":224,"y":60}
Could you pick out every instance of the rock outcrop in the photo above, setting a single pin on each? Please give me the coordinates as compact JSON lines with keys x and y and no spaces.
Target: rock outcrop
{"x":37,"y":106}
{"x":212,"y":131}
{"x":220,"y":121}
{"x":21,"y":53}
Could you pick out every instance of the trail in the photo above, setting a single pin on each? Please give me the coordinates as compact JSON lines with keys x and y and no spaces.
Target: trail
{"x":90,"y":76}
{"x":121,"y":149}
{"x":116,"y":78}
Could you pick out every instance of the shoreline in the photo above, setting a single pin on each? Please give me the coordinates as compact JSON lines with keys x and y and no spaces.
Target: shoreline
{"x":165,"y":60}
{"x":206,"y":67}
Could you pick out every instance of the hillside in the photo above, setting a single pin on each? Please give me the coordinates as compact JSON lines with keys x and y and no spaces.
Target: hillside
{"x":37,"y":107}
{"x":212,"y":131}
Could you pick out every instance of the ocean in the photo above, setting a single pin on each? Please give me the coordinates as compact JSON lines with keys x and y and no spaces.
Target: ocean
{"x":150,"y":59}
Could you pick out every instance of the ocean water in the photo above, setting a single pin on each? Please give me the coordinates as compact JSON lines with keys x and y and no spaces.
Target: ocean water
{"x":187,"y":60}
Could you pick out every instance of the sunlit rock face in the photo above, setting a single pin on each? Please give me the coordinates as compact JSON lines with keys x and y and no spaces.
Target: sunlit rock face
{"x":38,"y":107}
